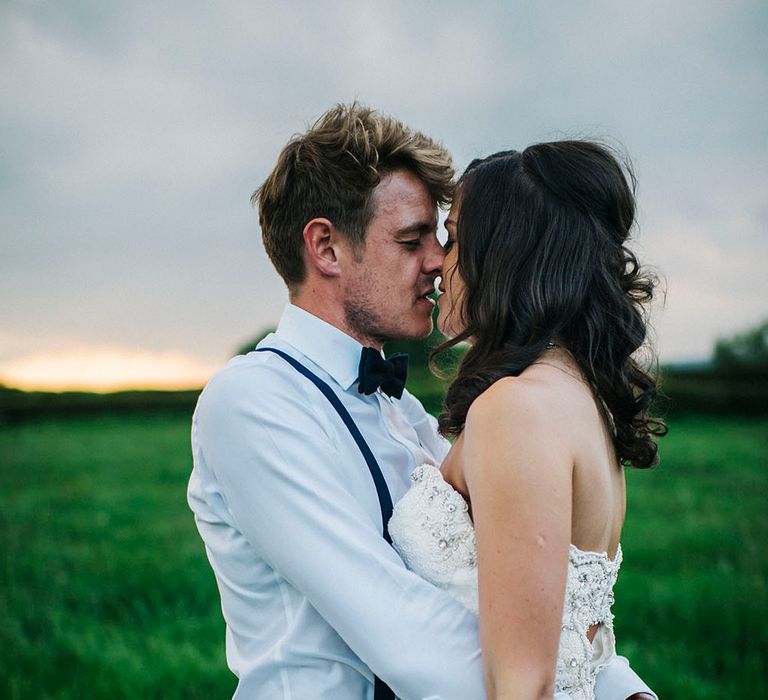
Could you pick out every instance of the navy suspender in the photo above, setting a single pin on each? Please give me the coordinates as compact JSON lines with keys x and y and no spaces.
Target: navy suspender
{"x":381,"y":690}
{"x":385,"y":500}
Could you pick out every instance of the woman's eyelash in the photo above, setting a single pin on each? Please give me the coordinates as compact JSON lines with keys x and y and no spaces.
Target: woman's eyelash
{"x":448,"y":244}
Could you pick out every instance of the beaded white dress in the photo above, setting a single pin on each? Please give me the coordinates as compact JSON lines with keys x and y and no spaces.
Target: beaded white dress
{"x":432,"y":530}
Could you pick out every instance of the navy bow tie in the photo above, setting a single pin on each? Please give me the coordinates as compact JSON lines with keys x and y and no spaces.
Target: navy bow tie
{"x":377,"y":372}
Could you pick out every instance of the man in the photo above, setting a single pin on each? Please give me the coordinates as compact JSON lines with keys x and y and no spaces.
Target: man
{"x":315,"y":600}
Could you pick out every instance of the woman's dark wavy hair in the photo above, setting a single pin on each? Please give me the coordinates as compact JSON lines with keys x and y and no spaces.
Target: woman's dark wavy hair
{"x":541,"y":251}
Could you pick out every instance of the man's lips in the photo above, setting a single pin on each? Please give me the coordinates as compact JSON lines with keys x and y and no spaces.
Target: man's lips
{"x":427,"y":291}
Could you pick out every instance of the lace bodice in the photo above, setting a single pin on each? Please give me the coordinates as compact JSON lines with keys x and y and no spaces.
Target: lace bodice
{"x":432,"y":530}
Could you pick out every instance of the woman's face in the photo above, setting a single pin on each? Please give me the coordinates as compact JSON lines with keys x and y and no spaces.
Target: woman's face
{"x":451,"y":285}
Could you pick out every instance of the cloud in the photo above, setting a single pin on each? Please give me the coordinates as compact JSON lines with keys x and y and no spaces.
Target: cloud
{"x":132,"y":136}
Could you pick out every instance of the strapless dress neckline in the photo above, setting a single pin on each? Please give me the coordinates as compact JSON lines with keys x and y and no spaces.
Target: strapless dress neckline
{"x":433,"y":532}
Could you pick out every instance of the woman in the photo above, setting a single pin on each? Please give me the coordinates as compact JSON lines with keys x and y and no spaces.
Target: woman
{"x":522,"y":522}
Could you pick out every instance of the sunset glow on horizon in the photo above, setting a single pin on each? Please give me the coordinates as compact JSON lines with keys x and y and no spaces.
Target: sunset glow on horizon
{"x":105,"y":369}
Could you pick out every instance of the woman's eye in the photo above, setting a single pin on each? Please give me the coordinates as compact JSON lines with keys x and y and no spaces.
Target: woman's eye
{"x":448,"y":245}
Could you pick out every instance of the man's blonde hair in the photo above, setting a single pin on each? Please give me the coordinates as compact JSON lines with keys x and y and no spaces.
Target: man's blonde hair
{"x":331,"y":171}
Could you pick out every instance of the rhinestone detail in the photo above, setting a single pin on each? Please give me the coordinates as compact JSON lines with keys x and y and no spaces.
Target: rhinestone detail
{"x":432,"y":530}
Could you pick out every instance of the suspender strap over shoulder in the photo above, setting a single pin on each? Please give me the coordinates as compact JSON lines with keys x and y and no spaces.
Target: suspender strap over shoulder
{"x":381,"y":691}
{"x":385,"y":500}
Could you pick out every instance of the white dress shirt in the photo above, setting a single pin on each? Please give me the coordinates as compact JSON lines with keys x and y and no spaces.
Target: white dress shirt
{"x":315,"y":601}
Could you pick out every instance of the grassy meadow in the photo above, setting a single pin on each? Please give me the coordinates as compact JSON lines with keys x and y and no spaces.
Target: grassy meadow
{"x":105,"y":591}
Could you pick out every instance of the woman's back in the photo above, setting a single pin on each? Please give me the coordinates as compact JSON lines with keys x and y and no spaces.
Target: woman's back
{"x":598,"y":491}
{"x":598,"y":486}
{"x":436,"y":537}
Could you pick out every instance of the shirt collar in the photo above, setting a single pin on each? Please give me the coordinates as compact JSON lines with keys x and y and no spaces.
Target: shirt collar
{"x":324,"y":344}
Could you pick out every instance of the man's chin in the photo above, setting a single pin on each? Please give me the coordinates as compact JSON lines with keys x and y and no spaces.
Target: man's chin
{"x":415,"y":331}
{"x":427,"y":328}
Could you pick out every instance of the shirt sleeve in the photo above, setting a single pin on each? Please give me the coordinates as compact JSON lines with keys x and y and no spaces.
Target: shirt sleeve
{"x":287,"y":485}
{"x":617,"y":681}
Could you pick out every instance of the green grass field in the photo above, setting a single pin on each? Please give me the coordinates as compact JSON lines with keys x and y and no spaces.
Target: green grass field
{"x":105,"y":591}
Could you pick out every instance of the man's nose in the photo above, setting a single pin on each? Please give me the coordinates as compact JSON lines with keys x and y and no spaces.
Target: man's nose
{"x":433,"y":260}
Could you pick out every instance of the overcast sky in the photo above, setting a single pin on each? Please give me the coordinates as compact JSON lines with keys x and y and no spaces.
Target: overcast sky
{"x":133,"y":134}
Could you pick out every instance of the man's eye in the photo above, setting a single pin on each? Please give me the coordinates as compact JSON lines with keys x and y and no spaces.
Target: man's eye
{"x":415,"y":243}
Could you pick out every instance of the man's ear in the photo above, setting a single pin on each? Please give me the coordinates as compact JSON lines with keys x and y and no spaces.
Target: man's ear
{"x":321,"y":243}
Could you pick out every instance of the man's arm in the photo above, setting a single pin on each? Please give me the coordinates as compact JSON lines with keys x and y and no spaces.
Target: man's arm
{"x":292,"y":496}
{"x":617,"y":681}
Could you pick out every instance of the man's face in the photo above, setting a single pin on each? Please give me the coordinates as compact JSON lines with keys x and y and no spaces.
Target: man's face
{"x":395,"y":270}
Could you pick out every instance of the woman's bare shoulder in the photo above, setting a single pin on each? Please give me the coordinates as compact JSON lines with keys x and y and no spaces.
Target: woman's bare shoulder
{"x":514,"y":431}
{"x":531,"y":396}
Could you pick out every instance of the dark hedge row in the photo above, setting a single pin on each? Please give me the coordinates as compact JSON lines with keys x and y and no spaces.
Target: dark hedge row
{"x":681,"y":391}
{"x":16,"y":406}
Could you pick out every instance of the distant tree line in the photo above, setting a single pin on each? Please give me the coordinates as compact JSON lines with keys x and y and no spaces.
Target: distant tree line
{"x":734,"y":381}
{"x":743,"y":352}
{"x":18,"y":406}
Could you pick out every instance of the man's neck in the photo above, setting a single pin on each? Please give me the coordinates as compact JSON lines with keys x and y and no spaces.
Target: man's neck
{"x":334,"y":315}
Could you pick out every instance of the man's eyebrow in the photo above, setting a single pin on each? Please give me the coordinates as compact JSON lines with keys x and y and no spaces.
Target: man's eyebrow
{"x":421,"y":228}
